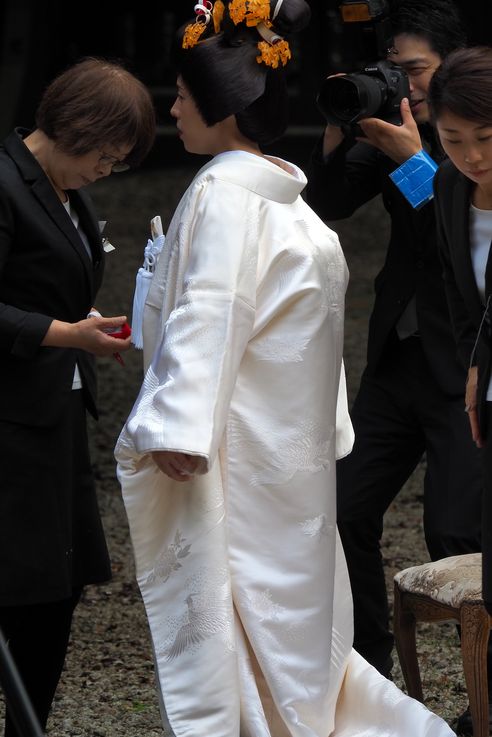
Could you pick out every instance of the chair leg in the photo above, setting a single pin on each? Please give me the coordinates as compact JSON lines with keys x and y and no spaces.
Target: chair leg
{"x":404,"y":630}
{"x":475,"y":626}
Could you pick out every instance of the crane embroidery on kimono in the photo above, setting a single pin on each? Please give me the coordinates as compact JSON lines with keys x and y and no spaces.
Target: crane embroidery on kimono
{"x":168,"y":560}
{"x":308,"y":450}
{"x":200,"y":624}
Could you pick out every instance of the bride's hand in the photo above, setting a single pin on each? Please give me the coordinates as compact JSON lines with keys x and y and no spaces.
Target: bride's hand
{"x":178,"y":466}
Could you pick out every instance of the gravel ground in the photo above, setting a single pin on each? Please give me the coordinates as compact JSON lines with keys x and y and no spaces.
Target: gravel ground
{"x":107,"y":689}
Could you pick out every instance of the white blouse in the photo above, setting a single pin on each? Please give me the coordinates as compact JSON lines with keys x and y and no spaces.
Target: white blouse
{"x":77,"y":379}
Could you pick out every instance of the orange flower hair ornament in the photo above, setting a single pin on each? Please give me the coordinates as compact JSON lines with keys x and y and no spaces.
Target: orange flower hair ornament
{"x":252,"y":12}
{"x":194,"y":31}
{"x":274,"y":50}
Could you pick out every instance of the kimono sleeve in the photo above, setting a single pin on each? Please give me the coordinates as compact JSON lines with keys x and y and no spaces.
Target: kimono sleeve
{"x":187,"y":390}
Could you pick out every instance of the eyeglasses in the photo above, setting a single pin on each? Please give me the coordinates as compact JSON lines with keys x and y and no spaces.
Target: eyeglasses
{"x":116,"y":165}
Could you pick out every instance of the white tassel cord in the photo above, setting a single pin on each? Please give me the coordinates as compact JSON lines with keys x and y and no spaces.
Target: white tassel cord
{"x":142,"y":284}
{"x":143,"y":279}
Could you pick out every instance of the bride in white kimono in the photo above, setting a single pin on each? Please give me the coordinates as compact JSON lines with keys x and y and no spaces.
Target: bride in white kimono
{"x":227,"y":460}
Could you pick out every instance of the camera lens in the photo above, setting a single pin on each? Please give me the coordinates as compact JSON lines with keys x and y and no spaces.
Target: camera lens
{"x":342,"y":99}
{"x":345,"y":100}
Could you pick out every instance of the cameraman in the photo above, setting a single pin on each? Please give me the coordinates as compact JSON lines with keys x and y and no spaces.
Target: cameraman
{"x":410,"y":399}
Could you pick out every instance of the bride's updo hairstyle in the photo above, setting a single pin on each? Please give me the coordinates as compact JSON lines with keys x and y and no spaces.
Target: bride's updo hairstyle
{"x":232,"y":56}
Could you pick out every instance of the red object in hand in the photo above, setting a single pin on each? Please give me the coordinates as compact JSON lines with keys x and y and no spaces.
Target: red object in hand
{"x":121,"y":332}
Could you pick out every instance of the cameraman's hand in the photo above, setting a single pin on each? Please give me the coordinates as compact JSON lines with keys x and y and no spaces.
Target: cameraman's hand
{"x":399,"y":142}
{"x":333,"y":134}
{"x":471,"y":405}
{"x":332,"y":139}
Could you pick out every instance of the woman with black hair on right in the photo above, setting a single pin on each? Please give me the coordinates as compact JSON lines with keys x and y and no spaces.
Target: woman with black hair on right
{"x":227,"y":460}
{"x":460,"y":97}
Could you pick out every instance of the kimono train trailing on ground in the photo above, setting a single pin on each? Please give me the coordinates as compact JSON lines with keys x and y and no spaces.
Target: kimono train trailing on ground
{"x":240,"y":568}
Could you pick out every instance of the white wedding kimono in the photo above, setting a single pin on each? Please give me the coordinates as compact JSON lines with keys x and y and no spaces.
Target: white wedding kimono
{"x":241,"y":570}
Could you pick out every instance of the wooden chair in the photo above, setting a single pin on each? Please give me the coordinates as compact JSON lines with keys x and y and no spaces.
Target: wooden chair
{"x":442,"y":591}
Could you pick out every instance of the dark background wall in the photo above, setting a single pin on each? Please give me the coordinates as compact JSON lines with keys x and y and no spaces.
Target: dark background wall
{"x":37,"y":40}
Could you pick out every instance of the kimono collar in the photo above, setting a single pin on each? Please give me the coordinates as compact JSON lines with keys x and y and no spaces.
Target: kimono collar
{"x":258,"y":174}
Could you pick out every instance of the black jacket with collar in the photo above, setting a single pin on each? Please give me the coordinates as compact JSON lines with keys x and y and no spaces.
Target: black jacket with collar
{"x":471,"y":326}
{"x":45,"y":274}
{"x":351,"y":176}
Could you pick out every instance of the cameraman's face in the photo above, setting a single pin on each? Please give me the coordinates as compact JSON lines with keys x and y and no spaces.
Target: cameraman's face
{"x":420,"y":62}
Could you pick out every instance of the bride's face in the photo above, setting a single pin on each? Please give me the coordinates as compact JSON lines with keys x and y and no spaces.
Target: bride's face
{"x":197,"y":136}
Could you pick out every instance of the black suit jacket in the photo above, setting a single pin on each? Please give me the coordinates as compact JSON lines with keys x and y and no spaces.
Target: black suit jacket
{"x":472,"y":328}
{"x":45,"y":274}
{"x":353,"y":175}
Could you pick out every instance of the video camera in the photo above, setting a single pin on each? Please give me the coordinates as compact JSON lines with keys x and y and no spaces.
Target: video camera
{"x":378,"y":89}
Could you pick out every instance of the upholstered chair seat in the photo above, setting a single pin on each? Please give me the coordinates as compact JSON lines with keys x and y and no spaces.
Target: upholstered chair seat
{"x":446,"y":590}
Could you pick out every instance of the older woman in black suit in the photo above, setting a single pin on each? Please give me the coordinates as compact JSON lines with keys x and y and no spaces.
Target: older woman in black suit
{"x":93,"y":119}
{"x":460,"y":97}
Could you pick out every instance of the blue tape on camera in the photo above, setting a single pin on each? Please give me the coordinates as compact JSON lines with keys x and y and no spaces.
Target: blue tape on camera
{"x":414,"y":178}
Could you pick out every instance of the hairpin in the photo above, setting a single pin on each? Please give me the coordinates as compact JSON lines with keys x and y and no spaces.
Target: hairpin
{"x":218,"y":14}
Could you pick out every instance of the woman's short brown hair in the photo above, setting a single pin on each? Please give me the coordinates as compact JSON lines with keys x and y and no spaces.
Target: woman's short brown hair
{"x":98,"y":103}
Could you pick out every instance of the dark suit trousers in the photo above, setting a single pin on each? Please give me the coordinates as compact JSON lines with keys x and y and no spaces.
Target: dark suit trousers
{"x":398,"y":416}
{"x":38,"y":636}
{"x":36,"y":622}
